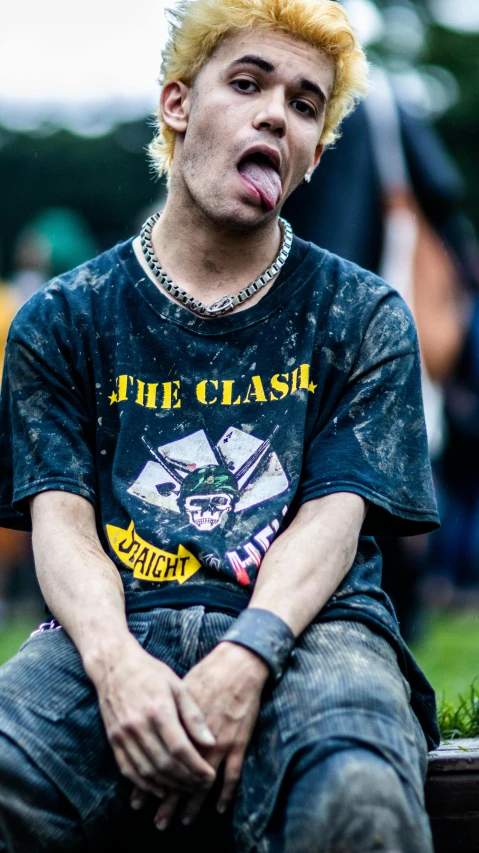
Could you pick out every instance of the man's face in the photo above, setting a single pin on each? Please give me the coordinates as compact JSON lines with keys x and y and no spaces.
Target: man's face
{"x":254,"y":118}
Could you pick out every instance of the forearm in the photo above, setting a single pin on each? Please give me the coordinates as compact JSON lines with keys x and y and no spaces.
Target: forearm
{"x":150,"y":719}
{"x":298,"y":575}
{"x":80,"y":584}
{"x":306,"y":563}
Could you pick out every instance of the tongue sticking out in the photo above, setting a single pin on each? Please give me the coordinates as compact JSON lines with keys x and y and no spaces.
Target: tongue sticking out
{"x":264,"y":179}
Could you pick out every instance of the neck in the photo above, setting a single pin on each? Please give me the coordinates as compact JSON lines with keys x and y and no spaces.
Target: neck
{"x":209,"y":260}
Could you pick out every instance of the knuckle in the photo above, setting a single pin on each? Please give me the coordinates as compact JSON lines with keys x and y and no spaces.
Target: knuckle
{"x":136,"y":725}
{"x":131,"y":726}
{"x":178,"y":750}
{"x":117,"y":736}
{"x":153,"y":713}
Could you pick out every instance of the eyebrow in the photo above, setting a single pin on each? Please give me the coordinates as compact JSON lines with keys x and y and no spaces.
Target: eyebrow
{"x":309,"y":86}
{"x":259,"y":62}
{"x":250,"y":59}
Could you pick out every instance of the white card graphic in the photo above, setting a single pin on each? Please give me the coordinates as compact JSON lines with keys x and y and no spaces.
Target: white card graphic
{"x":250,"y":460}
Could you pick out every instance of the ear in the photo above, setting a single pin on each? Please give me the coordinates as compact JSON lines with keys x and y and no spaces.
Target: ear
{"x":317,"y":157}
{"x":175,"y":105}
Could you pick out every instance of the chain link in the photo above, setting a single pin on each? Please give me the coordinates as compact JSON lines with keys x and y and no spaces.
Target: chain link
{"x":225,"y":303}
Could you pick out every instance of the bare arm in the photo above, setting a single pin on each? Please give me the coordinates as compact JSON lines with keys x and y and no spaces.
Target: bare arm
{"x":306,"y":564}
{"x":80,"y":584}
{"x":147,"y":710}
{"x":299,"y":573}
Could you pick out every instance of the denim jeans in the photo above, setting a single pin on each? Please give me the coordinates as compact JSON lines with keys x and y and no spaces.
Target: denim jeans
{"x":336,"y":763}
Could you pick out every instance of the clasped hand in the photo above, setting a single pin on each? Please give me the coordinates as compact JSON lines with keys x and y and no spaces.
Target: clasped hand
{"x":170,"y":736}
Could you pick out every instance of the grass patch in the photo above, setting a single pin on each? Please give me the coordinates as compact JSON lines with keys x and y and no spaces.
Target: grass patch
{"x":448,"y":654}
{"x":460,"y":719}
{"x":13,"y":635}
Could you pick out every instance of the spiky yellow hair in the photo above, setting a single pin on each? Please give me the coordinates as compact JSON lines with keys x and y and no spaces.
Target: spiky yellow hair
{"x":198,"y":26}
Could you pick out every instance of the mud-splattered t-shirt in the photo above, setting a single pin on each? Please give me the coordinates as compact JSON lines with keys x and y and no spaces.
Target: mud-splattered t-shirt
{"x":197,"y":440}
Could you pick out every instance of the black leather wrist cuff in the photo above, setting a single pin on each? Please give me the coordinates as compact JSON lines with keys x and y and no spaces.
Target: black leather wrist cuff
{"x":265,"y":634}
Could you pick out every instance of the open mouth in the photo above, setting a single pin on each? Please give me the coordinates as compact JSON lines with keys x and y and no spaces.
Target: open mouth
{"x":261,"y":172}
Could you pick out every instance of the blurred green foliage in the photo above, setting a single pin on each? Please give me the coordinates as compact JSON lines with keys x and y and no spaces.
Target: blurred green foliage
{"x":107,"y":179}
{"x":13,"y":634}
{"x":448,"y":654}
{"x":459,"y":127}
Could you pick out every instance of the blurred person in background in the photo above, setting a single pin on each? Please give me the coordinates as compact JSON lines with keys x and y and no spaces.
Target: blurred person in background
{"x":53,"y":241}
{"x":31,"y":263}
{"x":390,"y":200}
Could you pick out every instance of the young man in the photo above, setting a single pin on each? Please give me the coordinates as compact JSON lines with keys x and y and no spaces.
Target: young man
{"x":205,"y":463}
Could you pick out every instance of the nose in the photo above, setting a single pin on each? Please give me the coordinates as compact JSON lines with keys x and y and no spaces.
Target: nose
{"x":271,"y":114}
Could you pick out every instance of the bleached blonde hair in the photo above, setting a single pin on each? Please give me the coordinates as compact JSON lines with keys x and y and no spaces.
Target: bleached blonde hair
{"x":198,"y":26}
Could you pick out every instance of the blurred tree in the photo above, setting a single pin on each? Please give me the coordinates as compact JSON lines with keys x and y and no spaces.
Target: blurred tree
{"x":459,"y":126}
{"x":107,"y":178}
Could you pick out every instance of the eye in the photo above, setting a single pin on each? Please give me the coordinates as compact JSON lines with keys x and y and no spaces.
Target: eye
{"x":304,"y":108}
{"x":219,"y":502}
{"x":242,"y":84}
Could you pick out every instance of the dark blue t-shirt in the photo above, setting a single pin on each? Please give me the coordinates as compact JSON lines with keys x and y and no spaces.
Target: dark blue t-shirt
{"x":197,"y":440}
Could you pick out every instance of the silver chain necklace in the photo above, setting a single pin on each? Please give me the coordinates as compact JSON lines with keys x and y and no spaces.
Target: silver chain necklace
{"x":226,"y":303}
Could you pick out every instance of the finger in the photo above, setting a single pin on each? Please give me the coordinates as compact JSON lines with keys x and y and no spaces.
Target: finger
{"x":144,"y":767}
{"x":160,"y":751}
{"x":194,"y":803}
{"x":137,"y":766}
{"x":166,"y":812}
{"x":193,"y":719}
{"x":184,"y":759}
{"x":233,"y":766}
{"x":193,"y":807}
{"x":138,"y":798}
{"x":127,"y":768}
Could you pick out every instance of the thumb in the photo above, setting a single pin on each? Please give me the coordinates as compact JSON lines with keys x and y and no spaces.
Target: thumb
{"x":193,"y":719}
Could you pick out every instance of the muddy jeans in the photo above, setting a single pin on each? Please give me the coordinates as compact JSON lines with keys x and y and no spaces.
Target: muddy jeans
{"x":336,"y":763}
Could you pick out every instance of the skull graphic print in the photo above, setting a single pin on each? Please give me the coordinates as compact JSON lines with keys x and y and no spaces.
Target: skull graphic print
{"x":207,"y":495}
{"x":208,"y":483}
{"x":206,"y":511}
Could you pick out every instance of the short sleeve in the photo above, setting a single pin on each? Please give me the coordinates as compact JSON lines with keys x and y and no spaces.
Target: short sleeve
{"x":45,"y":427}
{"x":374,"y":441}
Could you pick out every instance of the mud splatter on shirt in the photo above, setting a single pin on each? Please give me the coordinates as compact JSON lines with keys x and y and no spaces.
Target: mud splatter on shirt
{"x":197,"y":440}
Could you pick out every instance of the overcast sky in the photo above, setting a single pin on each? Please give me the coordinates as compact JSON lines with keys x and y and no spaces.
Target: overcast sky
{"x":98,"y":51}
{"x":95,"y":50}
